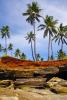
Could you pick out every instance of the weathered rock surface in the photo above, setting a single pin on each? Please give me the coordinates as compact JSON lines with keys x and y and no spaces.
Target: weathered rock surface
{"x":5,"y":83}
{"x":32,"y":82}
{"x":57,"y":85}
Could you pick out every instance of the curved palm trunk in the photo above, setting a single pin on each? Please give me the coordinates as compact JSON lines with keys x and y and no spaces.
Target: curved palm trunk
{"x":34,"y":42}
{"x":5,"y":45}
{"x":49,"y":47}
{"x":32,"y":51}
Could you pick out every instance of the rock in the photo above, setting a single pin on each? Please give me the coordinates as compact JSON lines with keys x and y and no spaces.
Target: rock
{"x":5,"y":83}
{"x":32,"y":82}
{"x":57,"y":85}
{"x":63,"y":83}
{"x":54,"y":81}
{"x":48,"y":70}
{"x":59,"y":89}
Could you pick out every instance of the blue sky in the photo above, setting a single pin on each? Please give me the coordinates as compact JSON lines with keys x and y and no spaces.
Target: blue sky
{"x":11,"y":14}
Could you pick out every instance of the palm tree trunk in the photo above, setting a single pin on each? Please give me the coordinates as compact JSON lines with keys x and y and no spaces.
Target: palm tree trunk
{"x":32,"y":51}
{"x":5,"y":45}
{"x":11,"y":52}
{"x":34,"y":42}
{"x":62,"y":46}
{"x":49,"y":47}
{"x":51,"y":50}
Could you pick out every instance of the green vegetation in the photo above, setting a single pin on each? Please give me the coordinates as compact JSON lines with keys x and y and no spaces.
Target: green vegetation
{"x":61,"y":54}
{"x":52,"y":29}
{"x":23,"y":56}
{"x":17,"y":53}
{"x":61,"y":36}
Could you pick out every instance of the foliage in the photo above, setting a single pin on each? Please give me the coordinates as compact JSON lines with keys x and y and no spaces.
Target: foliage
{"x":61,"y":54}
{"x":5,"y":55}
{"x":60,"y":37}
{"x":23,"y":56}
{"x":32,"y":13}
{"x":10,"y":47}
{"x":17,"y":53}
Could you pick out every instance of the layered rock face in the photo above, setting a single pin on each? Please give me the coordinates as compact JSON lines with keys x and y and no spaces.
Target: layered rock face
{"x":21,"y":68}
{"x":18,"y":73}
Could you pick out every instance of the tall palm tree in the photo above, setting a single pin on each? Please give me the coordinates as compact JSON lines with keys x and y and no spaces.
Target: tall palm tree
{"x":17,"y":53}
{"x":10,"y":48}
{"x":61,"y":36}
{"x":30,"y":38}
{"x":49,"y":28}
{"x":33,"y":14}
{"x":5,"y":33}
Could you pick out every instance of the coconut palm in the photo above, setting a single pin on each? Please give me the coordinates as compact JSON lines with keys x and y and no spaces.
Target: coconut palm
{"x":61,"y":36}
{"x":30,"y":38}
{"x":17,"y":53}
{"x":33,"y":14}
{"x":10,"y":48}
{"x":49,"y":28}
{"x":23,"y":56}
{"x":5,"y":33}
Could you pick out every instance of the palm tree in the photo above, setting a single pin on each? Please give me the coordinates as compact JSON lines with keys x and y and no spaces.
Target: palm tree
{"x":33,"y":14}
{"x":30,"y":38}
{"x":10,"y":48}
{"x":61,"y":35}
{"x":17,"y":53}
{"x":5,"y":34}
{"x":49,"y":28}
{"x":61,"y":54}
{"x":23,"y":56}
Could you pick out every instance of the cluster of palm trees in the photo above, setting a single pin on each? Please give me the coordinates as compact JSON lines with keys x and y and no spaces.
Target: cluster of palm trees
{"x":20,"y":55}
{"x":49,"y":26}
{"x":5,"y":33}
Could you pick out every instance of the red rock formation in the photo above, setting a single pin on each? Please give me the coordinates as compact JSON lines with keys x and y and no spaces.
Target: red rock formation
{"x":13,"y":63}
